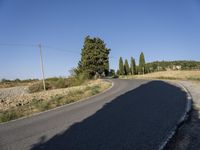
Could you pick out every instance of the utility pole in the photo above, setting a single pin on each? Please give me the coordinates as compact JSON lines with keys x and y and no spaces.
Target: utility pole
{"x":42,"y":66}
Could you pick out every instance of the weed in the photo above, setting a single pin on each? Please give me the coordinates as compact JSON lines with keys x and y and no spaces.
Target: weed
{"x":95,"y":90}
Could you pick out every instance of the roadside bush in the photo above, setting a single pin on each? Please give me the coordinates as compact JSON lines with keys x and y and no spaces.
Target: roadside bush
{"x":168,"y":78}
{"x":37,"y":87}
{"x":194,"y":78}
{"x":61,"y":83}
{"x":80,"y":79}
{"x":95,"y":90}
{"x":7,"y":115}
{"x":53,"y":79}
{"x":56,"y":83}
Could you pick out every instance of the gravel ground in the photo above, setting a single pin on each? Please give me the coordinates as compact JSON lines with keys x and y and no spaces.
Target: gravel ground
{"x":188,"y":135}
{"x":5,"y":93}
{"x":194,"y":88}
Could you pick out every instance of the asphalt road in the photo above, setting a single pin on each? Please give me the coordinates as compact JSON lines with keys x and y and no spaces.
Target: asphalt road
{"x":133,"y":115}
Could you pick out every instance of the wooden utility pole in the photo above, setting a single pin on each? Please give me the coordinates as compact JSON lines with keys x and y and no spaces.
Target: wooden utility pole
{"x":42,"y":66}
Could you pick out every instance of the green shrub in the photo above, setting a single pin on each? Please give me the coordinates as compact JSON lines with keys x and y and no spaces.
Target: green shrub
{"x":37,"y":87}
{"x":95,"y":90}
{"x":167,"y":78}
{"x":8,"y":115}
{"x":60,"y":83}
{"x":194,"y":78}
{"x":56,"y":83}
{"x":53,"y":79}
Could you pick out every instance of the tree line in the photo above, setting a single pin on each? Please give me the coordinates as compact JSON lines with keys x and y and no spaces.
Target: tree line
{"x":165,"y":65}
{"x":132,"y":69}
{"x":143,"y":67}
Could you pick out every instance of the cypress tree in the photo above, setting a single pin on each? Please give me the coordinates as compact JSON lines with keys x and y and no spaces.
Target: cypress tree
{"x":126,"y":67}
{"x":141,"y":64}
{"x":133,"y":66}
{"x":121,"y":66}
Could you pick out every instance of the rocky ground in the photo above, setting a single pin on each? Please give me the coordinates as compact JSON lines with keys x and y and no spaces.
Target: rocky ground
{"x":188,"y":135}
{"x":5,"y":93}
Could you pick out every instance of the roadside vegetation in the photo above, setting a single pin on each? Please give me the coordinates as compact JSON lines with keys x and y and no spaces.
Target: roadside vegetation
{"x":56,"y":83}
{"x":38,"y":104}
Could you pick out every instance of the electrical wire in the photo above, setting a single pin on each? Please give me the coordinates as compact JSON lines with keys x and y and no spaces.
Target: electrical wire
{"x":46,"y":47}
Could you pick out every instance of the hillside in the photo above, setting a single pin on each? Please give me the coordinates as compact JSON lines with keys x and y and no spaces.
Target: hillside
{"x":174,"y":65}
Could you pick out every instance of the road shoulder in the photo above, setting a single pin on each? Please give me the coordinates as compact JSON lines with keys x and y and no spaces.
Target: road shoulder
{"x":188,"y":135}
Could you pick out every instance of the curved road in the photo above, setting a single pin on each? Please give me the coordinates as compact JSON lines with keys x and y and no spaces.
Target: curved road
{"x":134,"y":114}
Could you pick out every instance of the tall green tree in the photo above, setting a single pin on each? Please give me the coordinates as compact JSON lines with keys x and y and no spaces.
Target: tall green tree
{"x":133,"y":66}
{"x":126,"y":67}
{"x":121,"y":66}
{"x":141,"y":64}
{"x":94,"y":57}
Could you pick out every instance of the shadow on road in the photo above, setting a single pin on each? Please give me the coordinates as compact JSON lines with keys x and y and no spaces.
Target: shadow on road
{"x":138,"y":119}
{"x":188,"y":134}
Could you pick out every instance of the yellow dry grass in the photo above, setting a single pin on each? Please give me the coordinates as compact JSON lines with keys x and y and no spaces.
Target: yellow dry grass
{"x":183,"y":75}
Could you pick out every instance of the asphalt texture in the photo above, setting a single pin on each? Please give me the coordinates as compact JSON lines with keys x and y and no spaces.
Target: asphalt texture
{"x":133,"y":115}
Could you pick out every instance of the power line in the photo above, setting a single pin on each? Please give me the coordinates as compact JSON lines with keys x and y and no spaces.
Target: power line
{"x":33,"y":45}
{"x":63,"y":51}
{"x":19,"y":45}
{"x":60,"y":50}
{"x":46,"y":47}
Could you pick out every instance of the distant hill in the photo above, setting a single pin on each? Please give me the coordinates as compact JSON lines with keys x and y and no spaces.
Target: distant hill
{"x":173,"y":65}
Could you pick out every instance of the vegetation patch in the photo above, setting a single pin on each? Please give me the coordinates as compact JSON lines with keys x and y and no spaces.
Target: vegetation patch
{"x":56,"y":83}
{"x":167,"y":78}
{"x":194,"y":78}
{"x":40,"y":104}
{"x":5,"y":83}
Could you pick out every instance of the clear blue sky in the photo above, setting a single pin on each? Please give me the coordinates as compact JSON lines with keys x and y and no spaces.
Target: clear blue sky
{"x":162,"y":29}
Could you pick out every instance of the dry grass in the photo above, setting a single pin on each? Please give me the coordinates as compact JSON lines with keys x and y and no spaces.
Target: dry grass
{"x":181,"y":75}
{"x":41,"y":101}
{"x":15,"y":84}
